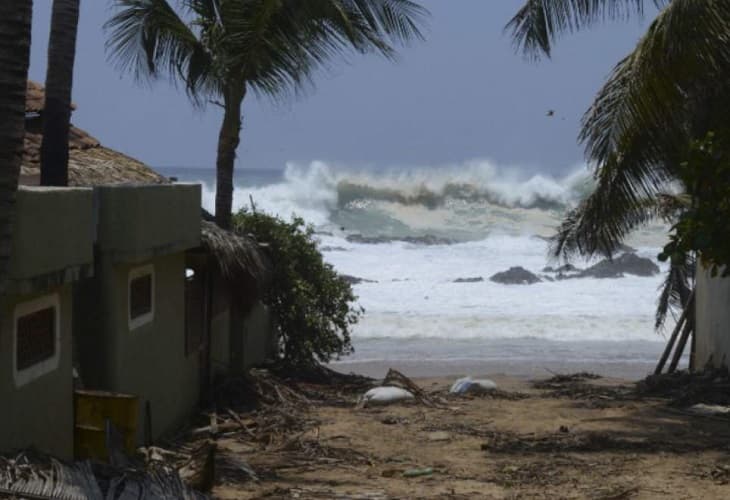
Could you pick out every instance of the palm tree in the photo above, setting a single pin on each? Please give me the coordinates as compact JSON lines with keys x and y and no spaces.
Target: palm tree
{"x":672,"y":88}
{"x":222,"y":49}
{"x":59,"y":79}
{"x":14,"y":58}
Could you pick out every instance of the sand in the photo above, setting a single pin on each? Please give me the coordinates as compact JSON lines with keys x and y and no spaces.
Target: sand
{"x":591,"y":439}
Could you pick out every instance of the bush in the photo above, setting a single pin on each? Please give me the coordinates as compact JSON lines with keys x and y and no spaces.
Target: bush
{"x":704,"y":224}
{"x":312,"y":306}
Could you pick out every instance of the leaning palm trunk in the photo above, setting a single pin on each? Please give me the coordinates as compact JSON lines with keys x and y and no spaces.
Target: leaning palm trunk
{"x":228,"y":141}
{"x":14,"y":57}
{"x":59,"y":80}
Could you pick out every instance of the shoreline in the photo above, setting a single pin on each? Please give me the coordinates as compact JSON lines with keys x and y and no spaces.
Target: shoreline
{"x":498,"y":369}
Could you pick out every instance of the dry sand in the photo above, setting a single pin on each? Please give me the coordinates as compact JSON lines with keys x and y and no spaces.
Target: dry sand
{"x":590,"y":439}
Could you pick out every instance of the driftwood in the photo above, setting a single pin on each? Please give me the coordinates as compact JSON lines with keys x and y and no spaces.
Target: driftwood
{"x":199,"y":471}
{"x":215,"y":429}
{"x":397,"y":379}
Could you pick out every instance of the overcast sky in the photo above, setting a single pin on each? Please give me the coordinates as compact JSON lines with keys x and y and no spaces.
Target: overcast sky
{"x":463,"y":94}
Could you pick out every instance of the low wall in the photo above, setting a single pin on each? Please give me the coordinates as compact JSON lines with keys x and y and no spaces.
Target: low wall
{"x":712,"y":309}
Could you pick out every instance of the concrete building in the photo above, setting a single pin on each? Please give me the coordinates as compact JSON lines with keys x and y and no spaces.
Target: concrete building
{"x":127,"y":284}
{"x":130,"y":327}
{"x":52,"y":250}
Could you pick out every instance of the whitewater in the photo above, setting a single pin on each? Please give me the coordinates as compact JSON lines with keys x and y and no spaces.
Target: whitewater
{"x":486,"y":219}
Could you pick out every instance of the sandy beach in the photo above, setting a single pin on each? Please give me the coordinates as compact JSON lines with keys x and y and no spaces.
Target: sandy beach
{"x":571,"y":437}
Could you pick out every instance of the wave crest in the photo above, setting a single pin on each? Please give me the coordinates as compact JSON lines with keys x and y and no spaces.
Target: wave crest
{"x":320,"y":192}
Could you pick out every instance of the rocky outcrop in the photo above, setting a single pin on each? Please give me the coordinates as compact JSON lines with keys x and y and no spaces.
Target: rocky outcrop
{"x":354,"y":280}
{"x":332,"y":249}
{"x":567,"y":268}
{"x":628,"y":263}
{"x":515,"y":276}
{"x":428,"y":239}
{"x":476,"y":279}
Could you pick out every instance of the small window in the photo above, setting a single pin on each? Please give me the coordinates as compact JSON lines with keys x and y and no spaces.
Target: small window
{"x":141,"y":296}
{"x":36,"y":338}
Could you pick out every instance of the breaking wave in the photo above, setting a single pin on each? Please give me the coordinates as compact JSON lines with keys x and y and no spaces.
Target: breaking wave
{"x":474,"y":196}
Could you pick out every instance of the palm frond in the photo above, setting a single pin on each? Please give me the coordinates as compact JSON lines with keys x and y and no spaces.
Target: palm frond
{"x":601,"y":222}
{"x":539,"y":23}
{"x":669,"y":90}
{"x":676,"y":289}
{"x":280,"y":43}
{"x":149,"y":39}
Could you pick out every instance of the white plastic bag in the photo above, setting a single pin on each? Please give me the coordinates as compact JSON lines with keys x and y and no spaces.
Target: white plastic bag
{"x":384,"y":396}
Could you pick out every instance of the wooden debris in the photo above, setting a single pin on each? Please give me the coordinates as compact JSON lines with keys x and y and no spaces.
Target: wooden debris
{"x":397,"y":379}
{"x":199,"y":471}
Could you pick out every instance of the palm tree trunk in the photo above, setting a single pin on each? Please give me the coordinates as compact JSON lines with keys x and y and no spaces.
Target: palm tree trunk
{"x":228,"y":140}
{"x":59,"y":80}
{"x":14,"y":58}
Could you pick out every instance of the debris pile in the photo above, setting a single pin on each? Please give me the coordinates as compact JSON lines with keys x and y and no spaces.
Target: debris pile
{"x":33,"y":475}
{"x":578,"y":386}
{"x":683,"y":388}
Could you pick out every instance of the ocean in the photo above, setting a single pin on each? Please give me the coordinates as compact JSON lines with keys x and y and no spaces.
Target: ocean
{"x":483,"y":220}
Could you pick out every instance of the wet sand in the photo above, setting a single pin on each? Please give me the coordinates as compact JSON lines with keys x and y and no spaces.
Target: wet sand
{"x":520,"y":370}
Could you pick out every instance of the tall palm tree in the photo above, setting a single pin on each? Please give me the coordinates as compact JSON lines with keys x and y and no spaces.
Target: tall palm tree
{"x":59,"y":80}
{"x":14,"y":58}
{"x":672,"y":88}
{"x":222,"y":49}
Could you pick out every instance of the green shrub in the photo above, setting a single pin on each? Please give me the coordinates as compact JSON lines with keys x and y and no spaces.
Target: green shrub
{"x":312,"y":306}
{"x":704,"y":224}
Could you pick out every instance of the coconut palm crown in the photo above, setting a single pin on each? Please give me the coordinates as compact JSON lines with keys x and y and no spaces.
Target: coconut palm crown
{"x":220,"y":49}
{"x":671,"y":89}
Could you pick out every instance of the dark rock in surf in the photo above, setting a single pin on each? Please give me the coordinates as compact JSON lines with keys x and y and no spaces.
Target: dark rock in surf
{"x":333,"y":249}
{"x":628,"y":263}
{"x":354,"y":280}
{"x":427,"y":239}
{"x":515,"y":276}
{"x":476,"y":279}
{"x":567,"y":268}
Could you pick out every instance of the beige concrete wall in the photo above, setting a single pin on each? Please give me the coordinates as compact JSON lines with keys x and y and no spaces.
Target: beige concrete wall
{"x":220,"y":329}
{"x":258,"y":342}
{"x":712,"y":341}
{"x":52,"y":238}
{"x":38,"y":413}
{"x":148,"y":361}
{"x":140,"y":222}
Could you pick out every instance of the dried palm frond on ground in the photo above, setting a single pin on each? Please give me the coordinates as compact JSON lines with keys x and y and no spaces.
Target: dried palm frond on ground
{"x":683,"y":388}
{"x":36,"y":476}
{"x":578,"y":386}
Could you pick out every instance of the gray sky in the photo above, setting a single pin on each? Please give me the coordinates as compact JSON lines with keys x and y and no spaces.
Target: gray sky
{"x":463,"y":94}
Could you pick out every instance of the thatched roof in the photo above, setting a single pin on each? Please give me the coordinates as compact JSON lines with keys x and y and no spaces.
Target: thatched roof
{"x":89,"y":164}
{"x":239,"y":259}
{"x":35,"y":98}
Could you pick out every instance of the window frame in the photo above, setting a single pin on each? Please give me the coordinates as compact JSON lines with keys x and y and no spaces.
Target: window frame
{"x":48,"y":365}
{"x":135,"y":273}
